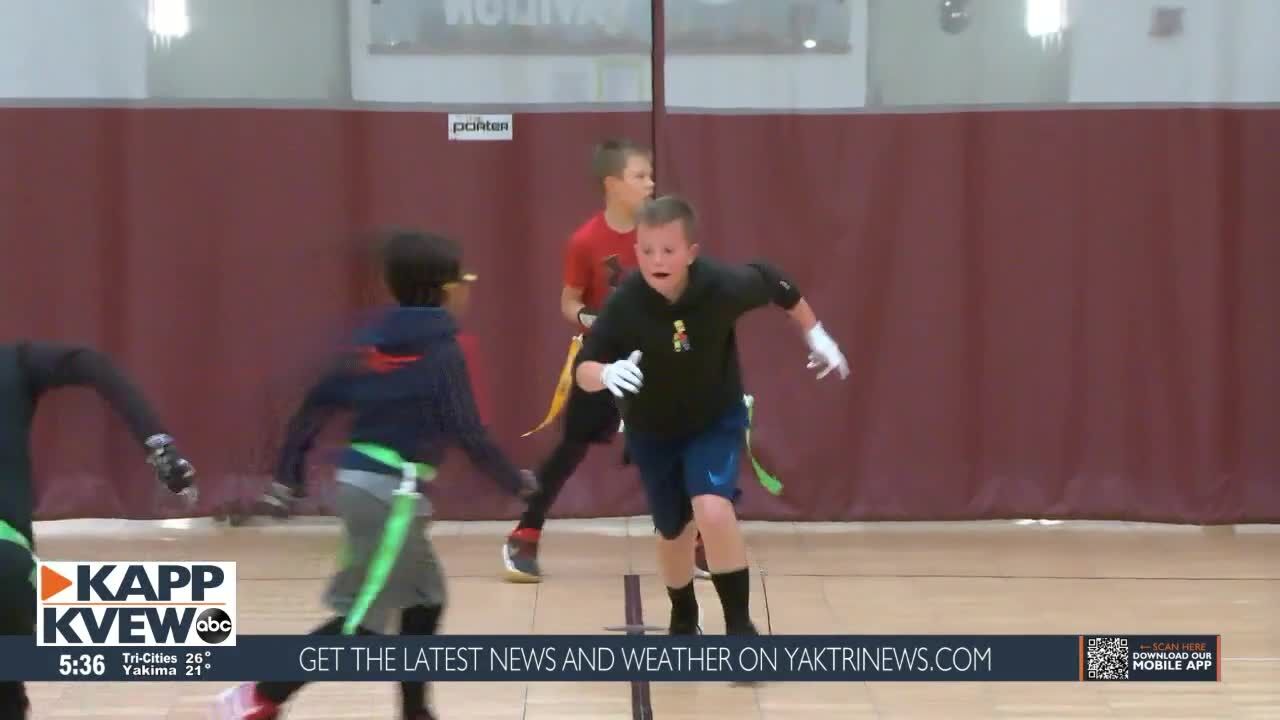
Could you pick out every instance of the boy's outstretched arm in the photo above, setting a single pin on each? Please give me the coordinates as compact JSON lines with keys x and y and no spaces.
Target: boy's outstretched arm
{"x":322,"y":402}
{"x":50,"y":366}
{"x":460,"y":416}
{"x":759,"y":283}
{"x":304,"y":426}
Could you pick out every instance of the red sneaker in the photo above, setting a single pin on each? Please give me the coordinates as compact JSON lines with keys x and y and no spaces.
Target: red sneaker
{"x":244,"y":703}
{"x":520,"y":556}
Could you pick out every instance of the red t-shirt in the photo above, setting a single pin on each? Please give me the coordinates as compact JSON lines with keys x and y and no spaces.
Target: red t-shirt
{"x":598,"y":257}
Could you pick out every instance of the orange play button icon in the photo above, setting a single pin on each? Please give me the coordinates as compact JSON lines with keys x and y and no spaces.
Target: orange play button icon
{"x":52,"y":582}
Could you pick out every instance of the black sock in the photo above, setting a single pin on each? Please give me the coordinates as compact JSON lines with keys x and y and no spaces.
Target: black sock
{"x":417,"y":620}
{"x":552,"y":474}
{"x":734,"y":589}
{"x":13,"y":700}
{"x":684,"y":608}
{"x":420,"y":619}
{"x":279,"y":692}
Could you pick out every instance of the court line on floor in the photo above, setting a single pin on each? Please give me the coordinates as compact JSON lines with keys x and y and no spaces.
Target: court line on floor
{"x":946,"y":576}
{"x":533,"y":621}
{"x":861,"y":576}
{"x":764,"y":591}
{"x":641,"y":702}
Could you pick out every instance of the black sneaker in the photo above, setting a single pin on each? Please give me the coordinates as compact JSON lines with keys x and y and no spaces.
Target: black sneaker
{"x":520,"y":556}
{"x":685,"y":626}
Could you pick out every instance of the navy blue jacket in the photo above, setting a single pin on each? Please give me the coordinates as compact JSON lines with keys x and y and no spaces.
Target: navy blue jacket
{"x":405,"y":380}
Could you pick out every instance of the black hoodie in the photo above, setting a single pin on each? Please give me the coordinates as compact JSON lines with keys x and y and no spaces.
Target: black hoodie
{"x":689,"y":347}
{"x":27,"y":371}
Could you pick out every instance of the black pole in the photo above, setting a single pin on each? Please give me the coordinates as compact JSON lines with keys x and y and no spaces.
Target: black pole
{"x":658,"y":80}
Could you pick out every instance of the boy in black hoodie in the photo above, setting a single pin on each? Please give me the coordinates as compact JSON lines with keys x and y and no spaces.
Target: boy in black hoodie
{"x":665,"y":346}
{"x":407,"y":385}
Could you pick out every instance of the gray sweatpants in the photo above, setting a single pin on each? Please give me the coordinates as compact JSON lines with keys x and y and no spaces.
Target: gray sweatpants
{"x":364,"y":504}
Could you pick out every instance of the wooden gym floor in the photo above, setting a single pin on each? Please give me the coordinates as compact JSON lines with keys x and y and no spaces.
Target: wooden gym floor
{"x":1000,"y":577}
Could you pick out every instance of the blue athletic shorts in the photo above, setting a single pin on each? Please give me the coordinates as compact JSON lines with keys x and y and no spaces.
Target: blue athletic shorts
{"x":675,"y":470}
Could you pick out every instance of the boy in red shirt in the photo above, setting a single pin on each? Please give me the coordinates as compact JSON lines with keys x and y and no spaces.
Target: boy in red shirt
{"x":600,"y":253}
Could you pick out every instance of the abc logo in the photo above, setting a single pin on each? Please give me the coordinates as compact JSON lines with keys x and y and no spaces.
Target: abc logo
{"x":213,"y":626}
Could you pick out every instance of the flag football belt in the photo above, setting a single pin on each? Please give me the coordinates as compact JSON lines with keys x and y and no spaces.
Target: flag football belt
{"x":404,"y":505}
{"x":8,"y":534}
{"x":393,"y":460}
{"x":563,"y":385}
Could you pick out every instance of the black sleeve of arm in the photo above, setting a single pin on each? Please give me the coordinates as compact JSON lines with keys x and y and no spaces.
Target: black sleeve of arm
{"x":50,"y":366}
{"x":595,"y":348}
{"x":460,"y":416}
{"x":759,"y":283}
{"x":601,"y":343}
{"x":317,"y":408}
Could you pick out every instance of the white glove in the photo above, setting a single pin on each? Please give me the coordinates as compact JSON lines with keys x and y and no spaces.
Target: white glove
{"x":623,"y":375}
{"x":824,"y":353}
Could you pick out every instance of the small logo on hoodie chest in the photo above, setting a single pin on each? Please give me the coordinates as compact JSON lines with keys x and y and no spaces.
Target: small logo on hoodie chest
{"x":377,"y":361}
{"x":680,"y":338}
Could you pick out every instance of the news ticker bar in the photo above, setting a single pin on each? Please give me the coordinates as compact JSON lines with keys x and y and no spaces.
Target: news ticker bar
{"x":612,"y":658}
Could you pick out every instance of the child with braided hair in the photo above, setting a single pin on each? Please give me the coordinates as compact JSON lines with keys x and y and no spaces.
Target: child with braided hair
{"x":407,"y":384}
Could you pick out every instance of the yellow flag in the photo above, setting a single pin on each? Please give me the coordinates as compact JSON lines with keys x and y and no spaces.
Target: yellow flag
{"x":562,"y":386}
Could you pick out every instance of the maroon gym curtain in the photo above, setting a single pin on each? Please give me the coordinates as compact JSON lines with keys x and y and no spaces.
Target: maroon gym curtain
{"x":1049,"y":314}
{"x":1059,"y":312}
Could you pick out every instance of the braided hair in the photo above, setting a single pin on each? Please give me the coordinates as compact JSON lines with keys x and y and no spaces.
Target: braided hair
{"x":417,"y":265}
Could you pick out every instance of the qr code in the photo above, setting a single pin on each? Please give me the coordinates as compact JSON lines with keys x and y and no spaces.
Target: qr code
{"x":1107,"y":658}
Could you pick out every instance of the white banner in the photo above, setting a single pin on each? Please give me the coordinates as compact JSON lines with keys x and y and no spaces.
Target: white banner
{"x":480,"y":127}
